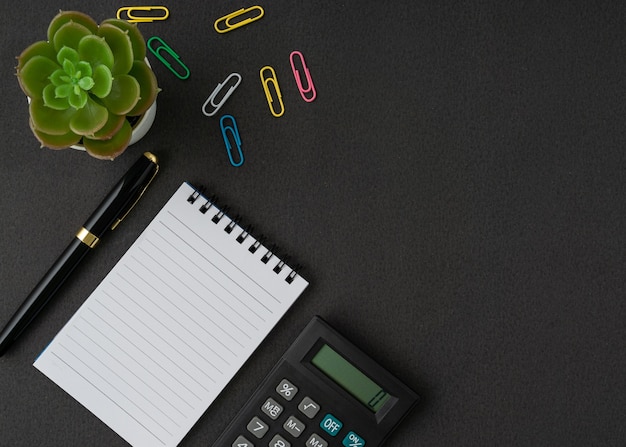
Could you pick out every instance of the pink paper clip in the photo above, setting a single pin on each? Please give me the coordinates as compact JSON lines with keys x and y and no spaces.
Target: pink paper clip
{"x":310,"y":88}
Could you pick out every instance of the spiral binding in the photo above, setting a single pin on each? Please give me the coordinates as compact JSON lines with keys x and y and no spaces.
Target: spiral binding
{"x":245,"y":232}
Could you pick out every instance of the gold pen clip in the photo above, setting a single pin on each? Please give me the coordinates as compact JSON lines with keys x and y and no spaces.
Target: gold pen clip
{"x":153,"y":159}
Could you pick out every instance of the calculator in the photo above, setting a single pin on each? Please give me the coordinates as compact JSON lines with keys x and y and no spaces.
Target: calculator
{"x":323,"y":392}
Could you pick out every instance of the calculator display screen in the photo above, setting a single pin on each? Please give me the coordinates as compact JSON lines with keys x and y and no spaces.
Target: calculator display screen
{"x":347,"y":376}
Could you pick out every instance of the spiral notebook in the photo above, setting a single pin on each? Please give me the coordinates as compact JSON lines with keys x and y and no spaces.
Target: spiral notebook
{"x":172,"y":322}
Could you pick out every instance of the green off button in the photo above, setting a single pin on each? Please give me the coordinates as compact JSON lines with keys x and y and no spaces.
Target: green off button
{"x":353,"y":440}
{"x":331,"y":424}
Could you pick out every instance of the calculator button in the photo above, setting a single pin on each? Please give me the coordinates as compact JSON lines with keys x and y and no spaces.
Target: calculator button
{"x":294,"y":427}
{"x":309,"y":407}
{"x":316,"y":441}
{"x":286,"y":389}
{"x":279,"y":441}
{"x":353,"y":440}
{"x":242,"y":442}
{"x":257,"y":427}
{"x":331,"y":424}
{"x":272,"y":408}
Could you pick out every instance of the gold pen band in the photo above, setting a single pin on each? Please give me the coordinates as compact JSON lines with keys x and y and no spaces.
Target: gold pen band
{"x":87,"y":237}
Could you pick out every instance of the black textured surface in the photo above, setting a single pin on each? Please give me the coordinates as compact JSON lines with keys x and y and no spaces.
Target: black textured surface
{"x":455,"y":193}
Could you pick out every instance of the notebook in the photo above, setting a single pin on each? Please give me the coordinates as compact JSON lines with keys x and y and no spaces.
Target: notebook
{"x":172,"y":322}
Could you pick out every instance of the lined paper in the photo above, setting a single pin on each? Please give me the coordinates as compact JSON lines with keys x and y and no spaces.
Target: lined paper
{"x":171,"y":324}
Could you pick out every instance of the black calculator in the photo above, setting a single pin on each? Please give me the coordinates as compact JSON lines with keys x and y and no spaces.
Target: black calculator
{"x":323,"y":392}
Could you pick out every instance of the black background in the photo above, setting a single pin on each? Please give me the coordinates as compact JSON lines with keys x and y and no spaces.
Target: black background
{"x":455,"y":194}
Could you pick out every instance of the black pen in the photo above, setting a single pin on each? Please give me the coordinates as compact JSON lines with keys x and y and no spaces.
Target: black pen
{"x":113,"y":209}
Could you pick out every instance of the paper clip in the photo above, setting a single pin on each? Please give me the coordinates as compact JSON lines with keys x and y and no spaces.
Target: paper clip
{"x":218,"y":89}
{"x":310,"y":87}
{"x":237,"y":14}
{"x":232,"y":128}
{"x":268,"y":94}
{"x":130,"y":17}
{"x":157,"y":52}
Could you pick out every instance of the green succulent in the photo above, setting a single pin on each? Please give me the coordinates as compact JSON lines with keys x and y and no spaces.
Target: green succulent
{"x":85,"y":81}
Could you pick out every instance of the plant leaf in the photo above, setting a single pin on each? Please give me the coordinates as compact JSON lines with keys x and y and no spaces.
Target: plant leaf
{"x":69,"y":35}
{"x":71,"y":16}
{"x":123,"y":96}
{"x":34,"y":75}
{"x":63,"y":90}
{"x":86,"y":83}
{"x":112,"y":126}
{"x":78,"y":99}
{"x":67,"y":53}
{"x":96,"y":51}
{"x":84,"y":68}
{"x":49,"y":121}
{"x":137,"y":40}
{"x":120,"y":44}
{"x":41,"y":48}
{"x":102,"y":81}
{"x":111,"y":148}
{"x":54,"y":101}
{"x":89,"y":119}
{"x":148,"y":87}
{"x":55,"y":141}
{"x":59,"y":77}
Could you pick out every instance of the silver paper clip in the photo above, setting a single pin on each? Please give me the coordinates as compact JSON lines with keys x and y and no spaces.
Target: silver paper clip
{"x":132,"y":18}
{"x":226,"y":20}
{"x":310,"y":88}
{"x":266,"y":80}
{"x":220,"y":87}
{"x":231,"y":128}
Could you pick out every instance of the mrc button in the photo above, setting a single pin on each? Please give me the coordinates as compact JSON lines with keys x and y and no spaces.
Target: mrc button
{"x":331,"y":424}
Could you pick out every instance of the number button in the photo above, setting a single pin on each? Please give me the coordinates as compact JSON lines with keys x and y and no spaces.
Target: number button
{"x":309,"y":407}
{"x":331,"y":424}
{"x":279,"y":441}
{"x":294,"y":427}
{"x":257,"y":427}
{"x":286,"y":389}
{"x":242,"y":442}
{"x":353,"y":440}
{"x":272,"y":408}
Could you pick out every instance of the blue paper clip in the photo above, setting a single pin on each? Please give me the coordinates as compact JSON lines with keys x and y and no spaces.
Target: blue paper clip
{"x":165,"y":47}
{"x":310,"y":87}
{"x":268,"y":94}
{"x":231,"y":128}
{"x":218,"y":89}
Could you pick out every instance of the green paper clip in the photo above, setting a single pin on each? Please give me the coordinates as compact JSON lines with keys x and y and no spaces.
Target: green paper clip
{"x":165,"y":47}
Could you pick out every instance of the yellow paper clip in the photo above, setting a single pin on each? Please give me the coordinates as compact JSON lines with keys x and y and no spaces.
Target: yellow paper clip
{"x":165,"y":47}
{"x":226,"y":20}
{"x":310,"y":88}
{"x":268,"y":94}
{"x":130,"y":17}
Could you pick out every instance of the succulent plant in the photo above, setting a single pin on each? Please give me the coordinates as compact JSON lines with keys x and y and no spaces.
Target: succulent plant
{"x":85,"y":81}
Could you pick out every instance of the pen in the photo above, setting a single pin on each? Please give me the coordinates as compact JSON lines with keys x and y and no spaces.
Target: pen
{"x":107,"y":216}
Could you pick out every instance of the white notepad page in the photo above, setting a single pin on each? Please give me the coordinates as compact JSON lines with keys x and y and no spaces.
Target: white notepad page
{"x":170,"y":325}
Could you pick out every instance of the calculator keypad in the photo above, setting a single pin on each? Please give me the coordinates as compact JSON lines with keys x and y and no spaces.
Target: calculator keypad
{"x":306,"y":414}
